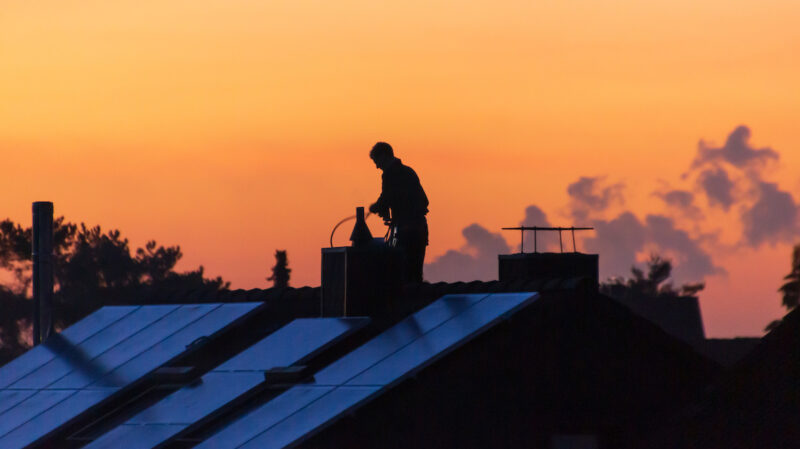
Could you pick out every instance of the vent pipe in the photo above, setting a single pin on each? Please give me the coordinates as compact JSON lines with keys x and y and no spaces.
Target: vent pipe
{"x":361,"y":235}
{"x":42,"y":270}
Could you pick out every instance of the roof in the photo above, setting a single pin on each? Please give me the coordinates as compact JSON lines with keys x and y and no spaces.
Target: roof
{"x":754,"y":405}
{"x":566,"y":358}
{"x":567,"y":364}
{"x":311,"y":294}
{"x":679,"y":316}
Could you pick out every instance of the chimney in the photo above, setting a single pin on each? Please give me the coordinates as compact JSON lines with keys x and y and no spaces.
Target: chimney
{"x":545,"y":267}
{"x":42,"y":270}
{"x":364,"y":279}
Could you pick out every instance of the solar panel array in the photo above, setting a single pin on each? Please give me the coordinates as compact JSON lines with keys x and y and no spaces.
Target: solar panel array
{"x":368,"y":371}
{"x":57,"y":381}
{"x":294,"y":343}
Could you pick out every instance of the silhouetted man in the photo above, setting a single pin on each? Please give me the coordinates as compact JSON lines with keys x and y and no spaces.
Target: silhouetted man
{"x":403,"y":204}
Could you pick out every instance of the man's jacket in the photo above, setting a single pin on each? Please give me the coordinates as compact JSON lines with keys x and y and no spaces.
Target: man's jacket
{"x":403,"y":194}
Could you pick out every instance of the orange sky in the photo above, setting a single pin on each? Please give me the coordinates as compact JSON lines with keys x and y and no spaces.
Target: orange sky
{"x":235,"y":127}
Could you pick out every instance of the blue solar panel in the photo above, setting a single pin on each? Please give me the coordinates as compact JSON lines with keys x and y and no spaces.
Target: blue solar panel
{"x":56,"y":415}
{"x":273,"y":412}
{"x":74,"y":335}
{"x":307,"y":419}
{"x":368,"y":371}
{"x":47,"y":387}
{"x":154,"y":333}
{"x":83,"y":358}
{"x":292,"y":344}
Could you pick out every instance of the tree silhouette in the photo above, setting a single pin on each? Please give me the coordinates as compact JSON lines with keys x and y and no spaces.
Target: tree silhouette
{"x":791,"y":288}
{"x":91,"y":269}
{"x":15,"y":318}
{"x":659,"y":270}
{"x":281,"y":270}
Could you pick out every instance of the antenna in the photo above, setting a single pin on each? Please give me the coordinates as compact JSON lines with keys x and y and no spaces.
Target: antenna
{"x":535,"y":229}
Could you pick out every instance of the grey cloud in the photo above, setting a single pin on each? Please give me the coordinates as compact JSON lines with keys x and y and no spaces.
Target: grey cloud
{"x":476,"y":260}
{"x":773,"y":217}
{"x":736,"y":151}
{"x":617,"y":241}
{"x":588,"y":196}
{"x":691,"y":262}
{"x":678,"y":198}
{"x":769,"y":215}
{"x":717,"y":186}
{"x":682,"y":200}
{"x":534,"y":216}
{"x":545,"y":241}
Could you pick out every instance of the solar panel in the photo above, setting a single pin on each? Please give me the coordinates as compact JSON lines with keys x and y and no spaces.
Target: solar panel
{"x":368,"y":371}
{"x":84,"y":358}
{"x":75,"y":335}
{"x":294,"y":343}
{"x":77,"y":369}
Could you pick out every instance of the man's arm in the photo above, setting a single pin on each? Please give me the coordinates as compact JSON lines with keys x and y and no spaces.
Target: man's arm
{"x":381,"y":206}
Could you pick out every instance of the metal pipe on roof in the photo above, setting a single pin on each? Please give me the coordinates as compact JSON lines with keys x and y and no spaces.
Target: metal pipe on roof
{"x":42,"y":254}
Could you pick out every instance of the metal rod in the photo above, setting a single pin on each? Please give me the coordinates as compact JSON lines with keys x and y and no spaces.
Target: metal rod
{"x":535,"y":229}
{"x":532,"y":228}
{"x":42,"y":255}
{"x":522,"y":242}
{"x":574,"y":248}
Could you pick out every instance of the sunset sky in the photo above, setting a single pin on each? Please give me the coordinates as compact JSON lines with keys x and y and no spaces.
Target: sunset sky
{"x":237,"y":127}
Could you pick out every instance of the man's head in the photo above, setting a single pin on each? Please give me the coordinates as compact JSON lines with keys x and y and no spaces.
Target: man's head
{"x":382,"y":154}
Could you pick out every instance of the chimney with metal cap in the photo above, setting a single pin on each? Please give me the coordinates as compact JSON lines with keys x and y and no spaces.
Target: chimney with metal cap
{"x":363,"y":279}
{"x":545,"y":267}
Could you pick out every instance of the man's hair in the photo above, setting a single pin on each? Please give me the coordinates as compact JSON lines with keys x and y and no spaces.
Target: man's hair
{"x":381,"y":150}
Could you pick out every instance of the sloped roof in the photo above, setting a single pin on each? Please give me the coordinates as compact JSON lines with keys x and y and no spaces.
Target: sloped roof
{"x":567,"y":364}
{"x":412,"y":291}
{"x":571,"y":361}
{"x":754,"y":405}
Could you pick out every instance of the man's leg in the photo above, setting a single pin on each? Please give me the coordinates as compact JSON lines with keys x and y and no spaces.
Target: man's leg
{"x":415,"y":260}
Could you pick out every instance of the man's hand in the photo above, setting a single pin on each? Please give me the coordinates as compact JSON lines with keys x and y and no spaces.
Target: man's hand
{"x":374,"y":208}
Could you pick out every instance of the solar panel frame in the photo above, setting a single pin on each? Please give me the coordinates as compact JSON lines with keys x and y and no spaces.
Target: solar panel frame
{"x":175,"y":343}
{"x":147,"y":337}
{"x":94,"y":347}
{"x":349,"y":382}
{"x":50,"y":419}
{"x":294,"y":343}
{"x":75,"y":334}
{"x":48,"y":408}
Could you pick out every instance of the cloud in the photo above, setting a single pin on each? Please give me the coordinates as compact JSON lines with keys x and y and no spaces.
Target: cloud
{"x":683,"y":201}
{"x":534,"y":216}
{"x":619,"y":241}
{"x":588,"y":197}
{"x":717,"y":186}
{"x":737,"y":151}
{"x":545,"y":241}
{"x":691,"y":261}
{"x":767,"y":213}
{"x":730,"y":177}
{"x":476,"y":260}
{"x":773,"y":217}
